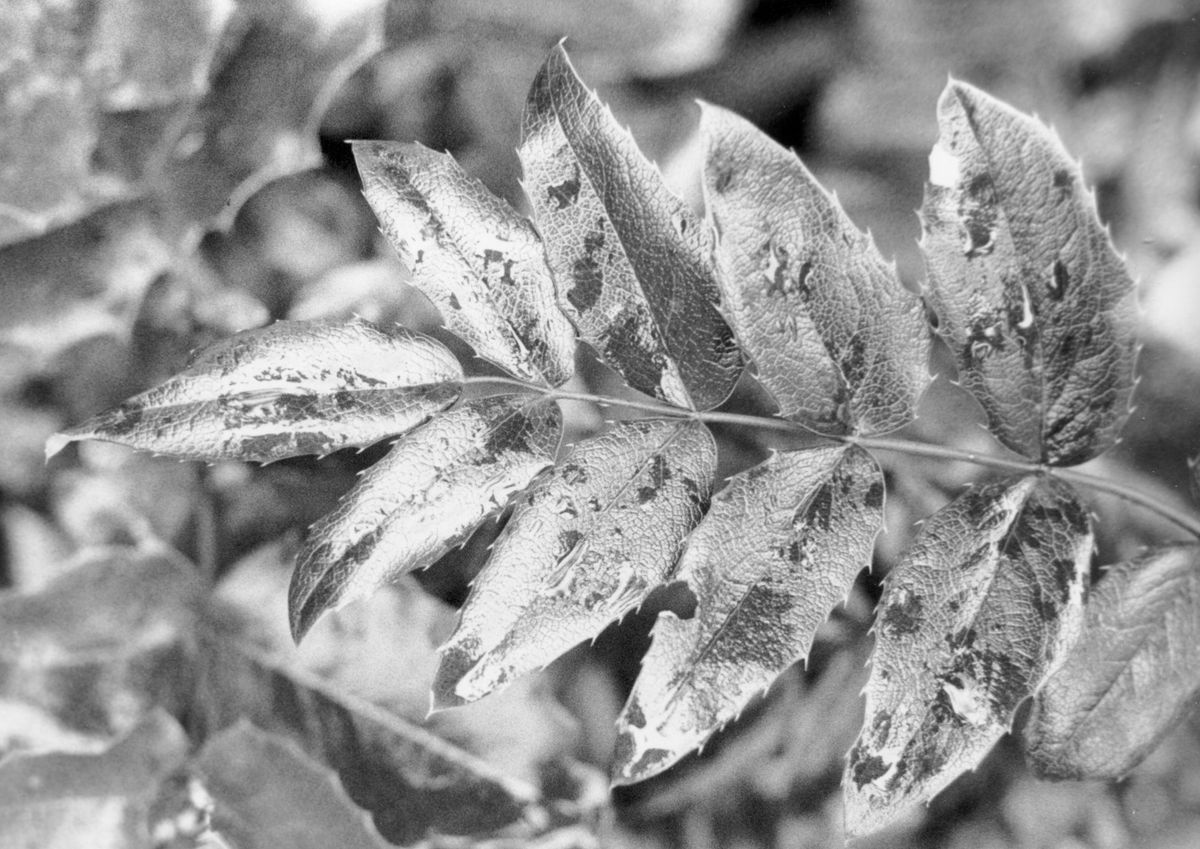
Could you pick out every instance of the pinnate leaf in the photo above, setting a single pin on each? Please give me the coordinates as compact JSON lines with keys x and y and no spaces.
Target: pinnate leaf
{"x":1131,"y":676}
{"x":1031,"y":296}
{"x":586,"y":545}
{"x":480,"y":262}
{"x":285,"y":390}
{"x":428,"y":494}
{"x":982,"y":607}
{"x":836,"y":339}
{"x":779,"y":548}
{"x":631,"y":262}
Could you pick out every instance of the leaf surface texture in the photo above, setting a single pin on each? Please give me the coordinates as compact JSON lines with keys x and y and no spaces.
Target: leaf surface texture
{"x":836,"y":339}
{"x":631,"y":262}
{"x":977,"y":613}
{"x":428,"y":494}
{"x":480,"y":262}
{"x":586,"y":545}
{"x":289,"y":389}
{"x":779,"y":548}
{"x":1132,"y":675}
{"x":1030,"y":294}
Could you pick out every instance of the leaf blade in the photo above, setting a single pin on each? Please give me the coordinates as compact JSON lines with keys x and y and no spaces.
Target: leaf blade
{"x":780,"y":546}
{"x":428,"y":494}
{"x":480,"y":262}
{"x":630,"y":260}
{"x":977,"y":613}
{"x":836,"y":338}
{"x":1129,"y":678}
{"x":289,"y":389}
{"x":589,"y":541}
{"x":1031,"y":295}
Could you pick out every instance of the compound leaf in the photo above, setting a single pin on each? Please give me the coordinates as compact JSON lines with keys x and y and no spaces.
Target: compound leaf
{"x":1132,"y":675}
{"x":779,"y":548}
{"x":1031,"y":297}
{"x":480,"y":262}
{"x":631,"y":262}
{"x":586,"y":545}
{"x":983,"y":607}
{"x":836,"y":339}
{"x":292,"y":388}
{"x":428,"y":494}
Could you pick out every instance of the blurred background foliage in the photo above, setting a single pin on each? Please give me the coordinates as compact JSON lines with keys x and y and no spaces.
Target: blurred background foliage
{"x":172,"y":171}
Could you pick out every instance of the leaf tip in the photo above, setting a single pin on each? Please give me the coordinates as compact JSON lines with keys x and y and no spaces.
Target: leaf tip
{"x":57,"y":442}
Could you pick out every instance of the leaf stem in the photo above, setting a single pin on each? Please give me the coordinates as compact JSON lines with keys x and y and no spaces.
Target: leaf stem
{"x":1185,"y":520}
{"x":1188,"y":521}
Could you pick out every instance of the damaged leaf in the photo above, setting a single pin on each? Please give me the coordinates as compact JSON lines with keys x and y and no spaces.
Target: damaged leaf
{"x":426,"y":496}
{"x":1030,"y":294}
{"x":835,"y":338}
{"x":286,"y":390}
{"x":586,"y":545}
{"x":780,"y":547}
{"x":480,"y":262}
{"x":631,"y":262}
{"x":1131,"y":677}
{"x":983,"y":607}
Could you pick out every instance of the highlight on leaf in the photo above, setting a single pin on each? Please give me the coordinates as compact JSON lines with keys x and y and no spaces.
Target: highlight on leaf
{"x":585,"y":545}
{"x":984,"y":610}
{"x":631,"y":262}
{"x":1131,"y":676}
{"x":835,"y":337}
{"x":480,"y":262}
{"x":978,"y":612}
{"x":431,"y":491}
{"x":293,"y":388}
{"x":779,"y":548}
{"x":1031,"y":296}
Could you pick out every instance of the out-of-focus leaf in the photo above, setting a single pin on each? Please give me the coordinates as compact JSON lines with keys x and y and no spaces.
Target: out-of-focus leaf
{"x":69,"y":70}
{"x":631,"y":262}
{"x":836,"y":339}
{"x":119,"y":497}
{"x":1131,"y":676}
{"x":1031,"y":296}
{"x":371,"y":289}
{"x":286,"y":390}
{"x":267,"y":793}
{"x":104,"y":641}
{"x":424,"y":498}
{"x":182,"y":311}
{"x":35,"y":552}
{"x":779,"y":548}
{"x":355,"y":697}
{"x":585,"y":545}
{"x":281,"y":63}
{"x":82,"y":279}
{"x":480,"y":262}
{"x":103,"y":800}
{"x":655,"y":37}
{"x":25,"y":727}
{"x":971,"y":621}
